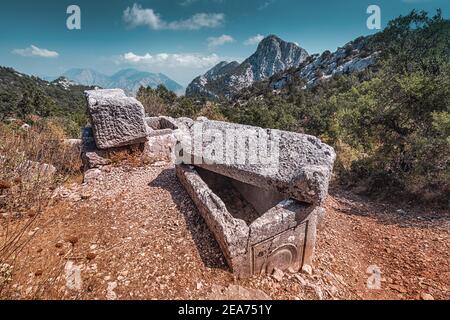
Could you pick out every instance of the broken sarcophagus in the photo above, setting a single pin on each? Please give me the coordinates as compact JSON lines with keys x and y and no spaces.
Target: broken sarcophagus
{"x":260,"y":191}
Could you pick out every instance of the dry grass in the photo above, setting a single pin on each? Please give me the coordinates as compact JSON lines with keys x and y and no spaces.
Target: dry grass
{"x":32,"y":164}
{"x":132,"y":156}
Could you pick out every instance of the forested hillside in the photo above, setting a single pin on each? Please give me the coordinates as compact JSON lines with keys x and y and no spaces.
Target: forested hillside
{"x":24,"y":97}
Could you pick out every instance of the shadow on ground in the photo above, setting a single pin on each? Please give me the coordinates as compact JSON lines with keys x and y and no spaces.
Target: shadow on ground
{"x":207,"y":246}
{"x":401,"y":214}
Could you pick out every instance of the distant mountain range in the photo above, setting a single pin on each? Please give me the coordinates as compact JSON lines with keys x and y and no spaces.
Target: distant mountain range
{"x":128,"y":79}
{"x":283,"y":61}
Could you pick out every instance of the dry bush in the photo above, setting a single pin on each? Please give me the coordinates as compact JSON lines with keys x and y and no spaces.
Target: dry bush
{"x":32,"y":164}
{"x":132,"y":155}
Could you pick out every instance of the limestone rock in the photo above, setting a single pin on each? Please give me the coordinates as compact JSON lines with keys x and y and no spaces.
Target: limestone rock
{"x":278,"y":275}
{"x":76,"y":143}
{"x":426,"y":296}
{"x":117,"y":120}
{"x":307,"y":269}
{"x":92,"y":175}
{"x":36,"y":171}
{"x":160,"y":147}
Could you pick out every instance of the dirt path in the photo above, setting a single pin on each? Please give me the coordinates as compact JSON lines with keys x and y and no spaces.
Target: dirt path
{"x":136,"y":235}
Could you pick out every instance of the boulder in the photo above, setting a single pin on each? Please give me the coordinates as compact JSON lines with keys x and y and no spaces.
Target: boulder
{"x":117,"y":120}
{"x":92,"y":175}
{"x":31,"y":170}
{"x":296,"y":165}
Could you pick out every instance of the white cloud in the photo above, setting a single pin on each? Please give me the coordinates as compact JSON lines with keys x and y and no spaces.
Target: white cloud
{"x":219,"y":41}
{"x":171,"y":60}
{"x":265,"y":4}
{"x":137,"y":16}
{"x":186,"y":3}
{"x":254,"y":40}
{"x":34,"y":51}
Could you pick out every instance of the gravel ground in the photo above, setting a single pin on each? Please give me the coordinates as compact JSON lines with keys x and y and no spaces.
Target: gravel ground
{"x":135,"y":234}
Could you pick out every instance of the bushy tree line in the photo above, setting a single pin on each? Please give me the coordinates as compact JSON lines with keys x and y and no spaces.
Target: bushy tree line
{"x":161,"y":101}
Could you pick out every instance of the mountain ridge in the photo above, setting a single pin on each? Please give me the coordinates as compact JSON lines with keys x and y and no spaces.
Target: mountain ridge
{"x":128,"y":79}
{"x":281,"y":62}
{"x":224,"y":80}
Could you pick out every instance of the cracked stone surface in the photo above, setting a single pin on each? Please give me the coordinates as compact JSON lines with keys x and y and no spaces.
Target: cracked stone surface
{"x":117,"y":120}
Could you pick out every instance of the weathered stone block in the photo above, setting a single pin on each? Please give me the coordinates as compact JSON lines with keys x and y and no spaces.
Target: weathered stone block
{"x":161,"y":138}
{"x":160,"y":147}
{"x":117,"y":120}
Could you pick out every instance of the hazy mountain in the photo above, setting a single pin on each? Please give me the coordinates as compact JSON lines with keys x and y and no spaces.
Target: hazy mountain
{"x":129,"y":79}
{"x":87,"y":77}
{"x":272,"y":56}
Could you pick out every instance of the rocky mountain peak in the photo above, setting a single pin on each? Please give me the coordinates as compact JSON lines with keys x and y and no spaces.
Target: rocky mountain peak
{"x":222,"y":68}
{"x":269,"y":40}
{"x":281,"y":62}
{"x":273,"y":55}
{"x":273,"y":41}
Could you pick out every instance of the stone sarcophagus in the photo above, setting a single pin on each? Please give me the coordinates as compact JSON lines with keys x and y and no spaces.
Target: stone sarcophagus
{"x":263,"y":211}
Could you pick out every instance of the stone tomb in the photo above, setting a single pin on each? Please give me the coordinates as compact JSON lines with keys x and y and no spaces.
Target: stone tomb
{"x":118,"y":125}
{"x":262,"y":219}
{"x":257,"y":230}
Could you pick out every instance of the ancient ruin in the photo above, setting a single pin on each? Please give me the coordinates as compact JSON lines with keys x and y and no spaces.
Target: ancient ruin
{"x":263,"y":211}
{"x":260,"y":191}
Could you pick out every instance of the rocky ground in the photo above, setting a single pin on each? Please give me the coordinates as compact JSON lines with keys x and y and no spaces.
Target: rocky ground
{"x":135,"y":234}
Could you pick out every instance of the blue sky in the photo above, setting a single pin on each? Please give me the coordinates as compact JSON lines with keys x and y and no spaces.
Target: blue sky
{"x":181,"y":38}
